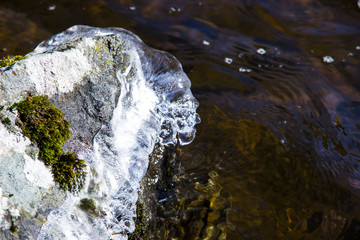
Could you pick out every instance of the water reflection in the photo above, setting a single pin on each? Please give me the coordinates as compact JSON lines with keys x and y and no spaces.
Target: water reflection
{"x":277,"y":153}
{"x":278,"y":172}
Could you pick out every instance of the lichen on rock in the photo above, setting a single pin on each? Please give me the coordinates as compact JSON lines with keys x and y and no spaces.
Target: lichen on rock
{"x":5,"y":62}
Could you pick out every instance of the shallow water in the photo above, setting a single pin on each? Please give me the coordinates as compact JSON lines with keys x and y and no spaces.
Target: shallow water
{"x":277,"y":153}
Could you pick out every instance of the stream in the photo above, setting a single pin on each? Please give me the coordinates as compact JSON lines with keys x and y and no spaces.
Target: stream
{"x":276,"y":155}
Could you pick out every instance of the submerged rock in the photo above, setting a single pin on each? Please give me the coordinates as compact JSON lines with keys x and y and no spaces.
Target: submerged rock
{"x":120,"y":97}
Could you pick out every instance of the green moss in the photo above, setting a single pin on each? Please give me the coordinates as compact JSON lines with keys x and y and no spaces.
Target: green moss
{"x":88,"y":205}
{"x":44,"y":124}
{"x":13,"y":227}
{"x":68,"y":171}
{"x":141,"y":224}
{"x":4,"y":120}
{"x":10,"y":60}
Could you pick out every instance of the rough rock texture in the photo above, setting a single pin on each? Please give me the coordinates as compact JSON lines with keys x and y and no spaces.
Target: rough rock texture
{"x":158,"y":196}
{"x":121,"y":97}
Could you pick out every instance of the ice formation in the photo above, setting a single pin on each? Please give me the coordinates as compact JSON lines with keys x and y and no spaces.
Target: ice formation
{"x":155,"y":105}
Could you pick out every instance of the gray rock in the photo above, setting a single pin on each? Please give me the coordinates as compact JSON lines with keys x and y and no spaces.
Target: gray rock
{"x":121,"y":97}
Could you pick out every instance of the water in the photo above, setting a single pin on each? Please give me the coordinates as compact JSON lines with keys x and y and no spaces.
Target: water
{"x":277,"y":153}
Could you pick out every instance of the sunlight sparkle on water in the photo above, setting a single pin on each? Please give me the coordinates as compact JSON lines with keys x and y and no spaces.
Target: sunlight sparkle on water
{"x":228,"y":60}
{"x":242,"y":69}
{"x":261,"y":51}
{"x":328,"y":59}
{"x":174,"y":10}
{"x":52,"y":7}
{"x":206,"y":43}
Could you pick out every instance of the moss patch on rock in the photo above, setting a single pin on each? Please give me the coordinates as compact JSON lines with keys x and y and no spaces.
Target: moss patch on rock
{"x":13,"y":227}
{"x":4,"y":120}
{"x":10,"y":60}
{"x":44,"y":124}
{"x":88,"y":205}
{"x":68,"y":172}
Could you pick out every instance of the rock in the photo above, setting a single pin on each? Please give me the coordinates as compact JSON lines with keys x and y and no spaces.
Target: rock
{"x":158,"y":194}
{"x":120,"y":97}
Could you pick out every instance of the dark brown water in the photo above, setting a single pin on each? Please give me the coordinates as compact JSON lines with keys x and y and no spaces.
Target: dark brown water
{"x":277,"y":153}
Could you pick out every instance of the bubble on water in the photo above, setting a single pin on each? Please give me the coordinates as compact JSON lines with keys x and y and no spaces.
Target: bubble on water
{"x":261,"y":51}
{"x":328,"y":59}
{"x":228,"y":60}
{"x":359,"y":3}
{"x":240,"y":55}
{"x":358,"y":47}
{"x":242,"y":69}
{"x":4,"y":49}
{"x":206,"y":43}
{"x":350,"y":54}
{"x":52,"y":7}
{"x":132,"y":8}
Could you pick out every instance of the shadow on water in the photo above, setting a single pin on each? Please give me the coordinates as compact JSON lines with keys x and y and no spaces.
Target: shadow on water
{"x":277,"y":153}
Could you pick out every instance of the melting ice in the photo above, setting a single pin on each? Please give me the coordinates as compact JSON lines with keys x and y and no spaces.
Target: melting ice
{"x":155,"y":105}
